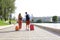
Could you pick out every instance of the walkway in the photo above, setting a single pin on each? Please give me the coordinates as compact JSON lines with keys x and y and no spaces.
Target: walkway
{"x":37,"y":34}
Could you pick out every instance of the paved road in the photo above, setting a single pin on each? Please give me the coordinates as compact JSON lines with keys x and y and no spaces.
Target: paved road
{"x":37,"y":34}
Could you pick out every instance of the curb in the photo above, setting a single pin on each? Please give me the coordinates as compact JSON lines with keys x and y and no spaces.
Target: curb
{"x":46,"y":27}
{"x":51,"y":30}
{"x":3,"y":27}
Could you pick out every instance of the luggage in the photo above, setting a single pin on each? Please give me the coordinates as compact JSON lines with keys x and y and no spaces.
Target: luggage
{"x":16,"y":28}
{"x":31,"y":27}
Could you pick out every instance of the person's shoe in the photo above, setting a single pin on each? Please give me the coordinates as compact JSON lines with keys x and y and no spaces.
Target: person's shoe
{"x":27,"y":29}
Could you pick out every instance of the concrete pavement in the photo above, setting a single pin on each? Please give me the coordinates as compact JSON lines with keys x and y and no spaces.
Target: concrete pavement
{"x":23,"y":34}
{"x":2,"y":27}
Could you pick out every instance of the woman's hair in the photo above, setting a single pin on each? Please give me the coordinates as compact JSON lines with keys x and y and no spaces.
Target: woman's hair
{"x":19,"y":14}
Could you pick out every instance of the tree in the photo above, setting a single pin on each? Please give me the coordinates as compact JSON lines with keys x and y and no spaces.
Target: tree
{"x":54,"y":19}
{"x":39,"y":21}
{"x":6,"y":8}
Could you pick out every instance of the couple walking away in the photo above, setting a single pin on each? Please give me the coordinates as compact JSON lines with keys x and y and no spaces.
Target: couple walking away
{"x":20,"y":21}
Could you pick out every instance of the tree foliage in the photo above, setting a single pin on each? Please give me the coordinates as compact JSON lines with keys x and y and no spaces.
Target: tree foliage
{"x":39,"y":21}
{"x":54,"y":18}
{"x":6,"y":8}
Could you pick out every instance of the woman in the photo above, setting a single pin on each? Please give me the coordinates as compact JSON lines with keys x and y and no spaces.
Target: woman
{"x":20,"y":20}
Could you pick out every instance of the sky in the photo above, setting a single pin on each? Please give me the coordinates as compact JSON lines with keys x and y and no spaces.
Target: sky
{"x":38,"y":8}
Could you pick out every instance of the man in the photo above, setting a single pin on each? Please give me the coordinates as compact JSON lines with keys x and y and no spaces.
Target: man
{"x":27,"y":21}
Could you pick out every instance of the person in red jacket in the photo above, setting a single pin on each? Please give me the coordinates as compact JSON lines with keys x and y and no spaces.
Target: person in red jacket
{"x":27,"y":21}
{"x":20,"y":20}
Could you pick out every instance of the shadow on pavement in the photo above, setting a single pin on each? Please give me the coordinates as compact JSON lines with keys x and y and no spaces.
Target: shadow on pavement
{"x":51,"y":30}
{"x":9,"y":31}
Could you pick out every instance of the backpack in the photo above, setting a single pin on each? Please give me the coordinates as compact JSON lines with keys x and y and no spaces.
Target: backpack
{"x":27,"y":17}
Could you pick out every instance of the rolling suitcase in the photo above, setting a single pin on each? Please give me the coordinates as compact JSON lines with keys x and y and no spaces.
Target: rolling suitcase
{"x":31,"y":27}
{"x":16,"y":28}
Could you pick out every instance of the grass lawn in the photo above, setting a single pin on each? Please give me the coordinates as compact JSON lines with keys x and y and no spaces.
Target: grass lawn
{"x":2,"y":23}
{"x":13,"y":21}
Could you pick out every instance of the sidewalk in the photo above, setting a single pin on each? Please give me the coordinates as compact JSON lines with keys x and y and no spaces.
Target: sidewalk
{"x":38,"y":34}
{"x":2,"y":27}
